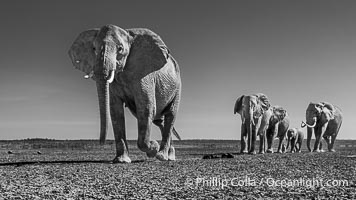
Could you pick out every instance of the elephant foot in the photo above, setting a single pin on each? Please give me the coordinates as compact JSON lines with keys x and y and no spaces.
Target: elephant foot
{"x":122,"y":159}
{"x":162,"y":155}
{"x":261,"y":152}
{"x":171,"y":153}
{"x":252,"y":152}
{"x":299,"y":151}
{"x":292,"y":151}
{"x":279,"y":151}
{"x":152,"y":152}
{"x":317,"y":150}
{"x":331,"y":150}
{"x":269,"y":150}
{"x":244,"y":152}
{"x":321,"y":150}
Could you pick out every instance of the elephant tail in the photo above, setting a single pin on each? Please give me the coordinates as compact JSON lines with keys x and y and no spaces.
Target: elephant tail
{"x":175,"y":133}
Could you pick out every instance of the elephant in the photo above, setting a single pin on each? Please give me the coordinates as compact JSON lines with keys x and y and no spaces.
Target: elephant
{"x":324,"y":119}
{"x":251,"y":109}
{"x":274,"y":123}
{"x":132,"y":68}
{"x":295,"y":138}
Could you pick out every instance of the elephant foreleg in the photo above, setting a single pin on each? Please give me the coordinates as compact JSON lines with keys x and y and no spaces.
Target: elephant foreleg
{"x":270,"y":138}
{"x":279,"y":150}
{"x":144,"y":141}
{"x":118,"y":123}
{"x":320,"y":131}
{"x":293,"y":145}
{"x":253,"y":140}
{"x":166,"y":151}
{"x":262,"y":143}
{"x":243,"y":139}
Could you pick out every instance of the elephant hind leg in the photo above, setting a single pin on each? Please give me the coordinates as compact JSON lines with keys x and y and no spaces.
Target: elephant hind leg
{"x":327,"y":140}
{"x":299,"y":146}
{"x":331,"y":147}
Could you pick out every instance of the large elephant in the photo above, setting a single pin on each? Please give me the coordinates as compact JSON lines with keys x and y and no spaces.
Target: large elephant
{"x":274,"y":123}
{"x":251,"y":109}
{"x":295,"y":138}
{"x":134,"y":68}
{"x":325,"y":120}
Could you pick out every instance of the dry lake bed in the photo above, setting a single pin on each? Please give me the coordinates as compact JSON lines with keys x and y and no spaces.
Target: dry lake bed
{"x":81,"y":169}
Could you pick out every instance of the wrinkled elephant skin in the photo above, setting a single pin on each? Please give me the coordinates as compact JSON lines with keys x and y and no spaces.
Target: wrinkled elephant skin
{"x":251,"y":109}
{"x":274,"y":124}
{"x":135,"y":69}
{"x":324,"y":119}
{"x":295,"y":139}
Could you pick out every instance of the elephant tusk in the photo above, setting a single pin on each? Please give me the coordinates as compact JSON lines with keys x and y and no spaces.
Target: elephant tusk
{"x":90,"y":75}
{"x":111,"y":78}
{"x":303,"y":124}
{"x":310,"y":126}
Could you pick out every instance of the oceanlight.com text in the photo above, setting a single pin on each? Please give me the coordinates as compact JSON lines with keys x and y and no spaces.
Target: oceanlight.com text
{"x":218,"y":182}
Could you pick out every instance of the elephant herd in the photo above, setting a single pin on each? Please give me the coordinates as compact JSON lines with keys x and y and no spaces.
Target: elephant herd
{"x":134,"y":68}
{"x":260,"y":118}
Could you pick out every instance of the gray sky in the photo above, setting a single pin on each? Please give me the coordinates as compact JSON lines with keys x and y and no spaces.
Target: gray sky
{"x":293,"y":51}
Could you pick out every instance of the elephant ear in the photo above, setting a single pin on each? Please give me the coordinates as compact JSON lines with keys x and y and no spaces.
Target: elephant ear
{"x":279,"y":112}
{"x":82,"y":51}
{"x":147,"y":49}
{"x":330,"y":109}
{"x":264,"y":101}
{"x":238,"y":105}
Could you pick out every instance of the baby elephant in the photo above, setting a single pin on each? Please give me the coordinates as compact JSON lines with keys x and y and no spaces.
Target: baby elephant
{"x":295,"y":137}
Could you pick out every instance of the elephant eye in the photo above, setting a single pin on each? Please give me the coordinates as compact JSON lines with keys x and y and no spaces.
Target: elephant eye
{"x":94,"y":49}
{"x":120,"y":49}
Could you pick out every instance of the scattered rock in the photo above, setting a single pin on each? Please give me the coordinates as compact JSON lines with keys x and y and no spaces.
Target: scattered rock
{"x":210,"y":156}
{"x":214,"y":156}
{"x":227,"y":155}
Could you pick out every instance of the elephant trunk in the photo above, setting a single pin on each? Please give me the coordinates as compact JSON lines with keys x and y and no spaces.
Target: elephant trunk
{"x":309,"y":135}
{"x":250,"y":131}
{"x":104,"y":102}
{"x":104,"y":75}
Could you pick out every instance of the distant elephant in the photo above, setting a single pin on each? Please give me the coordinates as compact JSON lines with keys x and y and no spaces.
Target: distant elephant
{"x":274,"y":123}
{"x":251,"y":109}
{"x":295,"y":138}
{"x":325,"y":120}
{"x":134,"y":68}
